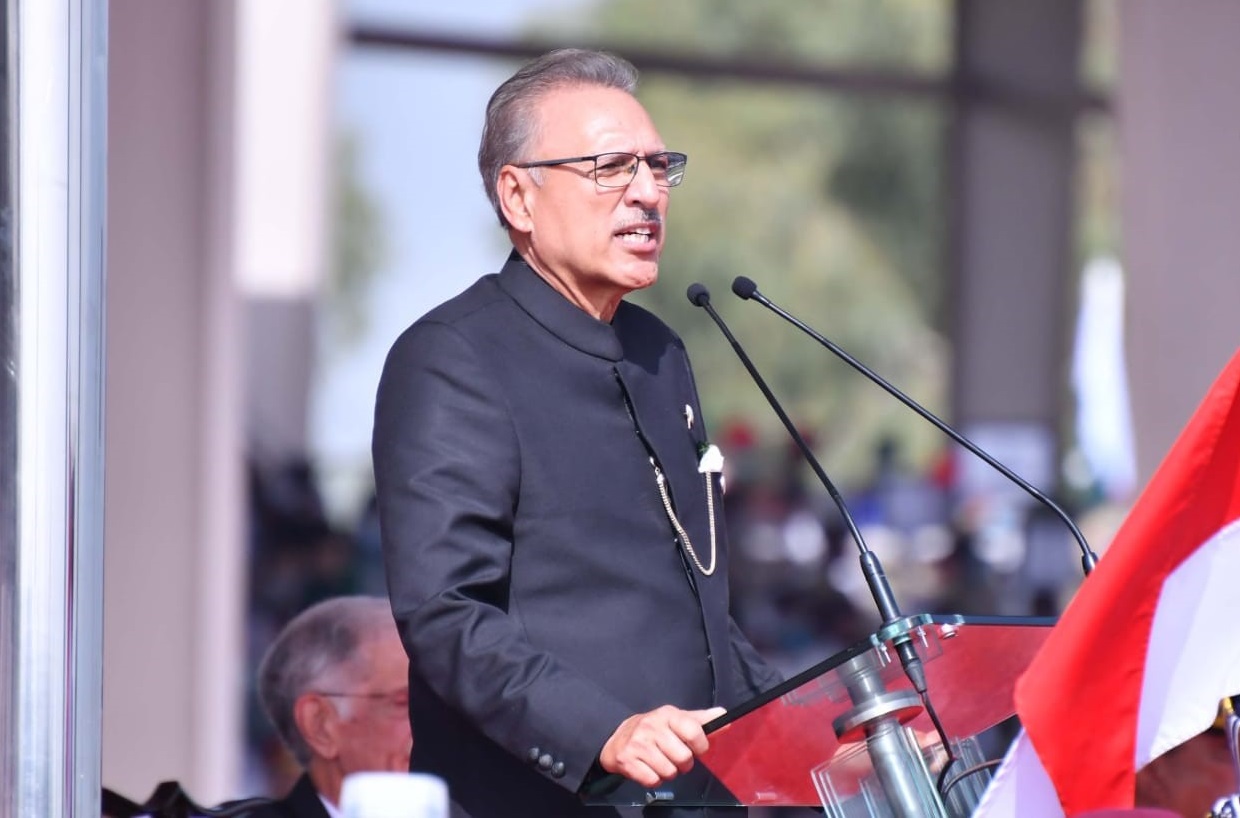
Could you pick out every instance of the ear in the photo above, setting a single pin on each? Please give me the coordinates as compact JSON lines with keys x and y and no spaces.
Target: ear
{"x":318,"y":723}
{"x":517,"y":195}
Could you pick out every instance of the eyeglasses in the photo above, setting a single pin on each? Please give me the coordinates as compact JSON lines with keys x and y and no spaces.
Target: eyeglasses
{"x":396,"y":698}
{"x":618,"y":169}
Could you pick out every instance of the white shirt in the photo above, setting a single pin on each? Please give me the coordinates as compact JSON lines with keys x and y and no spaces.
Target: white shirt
{"x":332,"y":809}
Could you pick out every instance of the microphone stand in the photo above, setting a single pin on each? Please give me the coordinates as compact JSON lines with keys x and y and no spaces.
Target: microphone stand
{"x":877,"y":713}
{"x":745,"y":289}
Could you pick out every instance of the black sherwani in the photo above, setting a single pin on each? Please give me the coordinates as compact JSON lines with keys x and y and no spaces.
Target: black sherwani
{"x":302,"y":801}
{"x":537,"y":583}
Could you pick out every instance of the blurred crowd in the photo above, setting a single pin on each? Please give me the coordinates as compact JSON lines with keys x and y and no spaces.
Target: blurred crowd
{"x":798,"y":590}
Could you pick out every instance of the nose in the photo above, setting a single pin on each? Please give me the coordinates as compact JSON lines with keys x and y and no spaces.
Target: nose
{"x":643,"y":191}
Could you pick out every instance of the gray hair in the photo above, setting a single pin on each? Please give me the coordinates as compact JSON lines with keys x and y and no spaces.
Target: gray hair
{"x":511,"y":119}
{"x":318,"y":647}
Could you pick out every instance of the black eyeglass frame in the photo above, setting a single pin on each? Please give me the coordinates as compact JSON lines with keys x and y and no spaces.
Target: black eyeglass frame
{"x":675,"y":161}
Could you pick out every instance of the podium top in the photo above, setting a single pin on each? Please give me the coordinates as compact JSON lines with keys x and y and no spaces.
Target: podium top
{"x":765,"y":750}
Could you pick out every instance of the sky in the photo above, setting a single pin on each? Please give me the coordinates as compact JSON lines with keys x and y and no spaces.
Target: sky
{"x":417,"y":118}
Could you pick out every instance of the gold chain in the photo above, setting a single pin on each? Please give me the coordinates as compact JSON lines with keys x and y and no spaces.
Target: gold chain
{"x":680,"y":531}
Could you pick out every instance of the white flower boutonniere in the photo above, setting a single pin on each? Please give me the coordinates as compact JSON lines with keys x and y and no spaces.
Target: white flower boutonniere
{"x":710,"y":460}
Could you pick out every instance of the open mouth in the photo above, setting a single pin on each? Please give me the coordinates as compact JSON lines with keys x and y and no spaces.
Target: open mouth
{"x":639,"y":235}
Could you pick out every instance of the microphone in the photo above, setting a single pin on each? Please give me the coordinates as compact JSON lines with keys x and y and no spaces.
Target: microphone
{"x":871,"y":567}
{"x":875,"y":577}
{"x":746,"y":290}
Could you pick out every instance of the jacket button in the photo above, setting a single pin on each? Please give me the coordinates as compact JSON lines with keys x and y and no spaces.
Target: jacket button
{"x":557,"y":769}
{"x":544,"y":761}
{"x":532,"y":754}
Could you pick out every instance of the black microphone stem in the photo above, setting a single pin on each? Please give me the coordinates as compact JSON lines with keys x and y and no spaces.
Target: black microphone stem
{"x":871,"y":567}
{"x":875,"y":577}
{"x":742,"y":287}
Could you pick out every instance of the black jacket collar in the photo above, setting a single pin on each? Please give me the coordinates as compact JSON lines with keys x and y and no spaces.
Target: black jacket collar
{"x":303,"y":800}
{"x":557,"y":314}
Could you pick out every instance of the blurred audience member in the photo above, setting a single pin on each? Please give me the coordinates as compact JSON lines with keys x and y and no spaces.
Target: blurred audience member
{"x":1189,"y":778}
{"x":335,"y":685}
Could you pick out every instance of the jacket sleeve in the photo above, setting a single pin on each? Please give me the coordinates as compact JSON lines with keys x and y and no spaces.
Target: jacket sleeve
{"x":447,"y":475}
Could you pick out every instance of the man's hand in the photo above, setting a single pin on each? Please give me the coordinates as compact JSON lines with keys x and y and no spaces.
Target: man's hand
{"x":653,"y":747}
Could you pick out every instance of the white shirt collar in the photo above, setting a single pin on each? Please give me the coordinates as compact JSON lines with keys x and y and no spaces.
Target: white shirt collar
{"x":332,"y":810}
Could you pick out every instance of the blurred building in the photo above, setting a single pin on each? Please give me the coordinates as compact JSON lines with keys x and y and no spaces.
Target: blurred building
{"x":219,"y":127}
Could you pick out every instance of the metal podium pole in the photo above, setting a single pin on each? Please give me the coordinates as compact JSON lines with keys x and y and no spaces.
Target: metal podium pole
{"x":877,"y":717}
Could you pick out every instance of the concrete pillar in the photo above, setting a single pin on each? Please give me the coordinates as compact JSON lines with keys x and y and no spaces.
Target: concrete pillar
{"x":1011,"y":242}
{"x":175,"y":579}
{"x":219,"y":127}
{"x":1180,"y":165}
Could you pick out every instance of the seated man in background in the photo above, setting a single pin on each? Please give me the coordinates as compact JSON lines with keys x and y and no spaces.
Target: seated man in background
{"x":335,"y":685}
{"x":1189,"y":778}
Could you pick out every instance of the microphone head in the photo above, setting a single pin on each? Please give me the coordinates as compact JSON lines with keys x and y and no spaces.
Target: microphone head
{"x":698,"y":295}
{"x":744,"y":287}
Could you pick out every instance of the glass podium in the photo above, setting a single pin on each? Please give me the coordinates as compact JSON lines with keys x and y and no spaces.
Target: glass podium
{"x":851,"y":735}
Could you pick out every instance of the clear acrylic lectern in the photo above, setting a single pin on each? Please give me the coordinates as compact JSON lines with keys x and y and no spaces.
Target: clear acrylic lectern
{"x":851,"y":735}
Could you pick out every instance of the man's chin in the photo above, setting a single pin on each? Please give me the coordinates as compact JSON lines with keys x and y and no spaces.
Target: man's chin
{"x":643,"y":276}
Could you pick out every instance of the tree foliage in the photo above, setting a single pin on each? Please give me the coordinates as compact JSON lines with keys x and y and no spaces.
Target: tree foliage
{"x":833,"y":204}
{"x":359,"y":247}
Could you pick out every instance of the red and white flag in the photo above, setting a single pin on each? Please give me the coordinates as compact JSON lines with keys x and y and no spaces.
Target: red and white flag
{"x":1147,"y":648}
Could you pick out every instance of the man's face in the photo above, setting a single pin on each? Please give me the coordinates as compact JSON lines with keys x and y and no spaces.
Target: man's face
{"x":375,"y":736}
{"x":598,"y":242}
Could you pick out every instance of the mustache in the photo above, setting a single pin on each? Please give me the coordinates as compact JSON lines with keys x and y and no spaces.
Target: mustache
{"x":643,"y":217}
